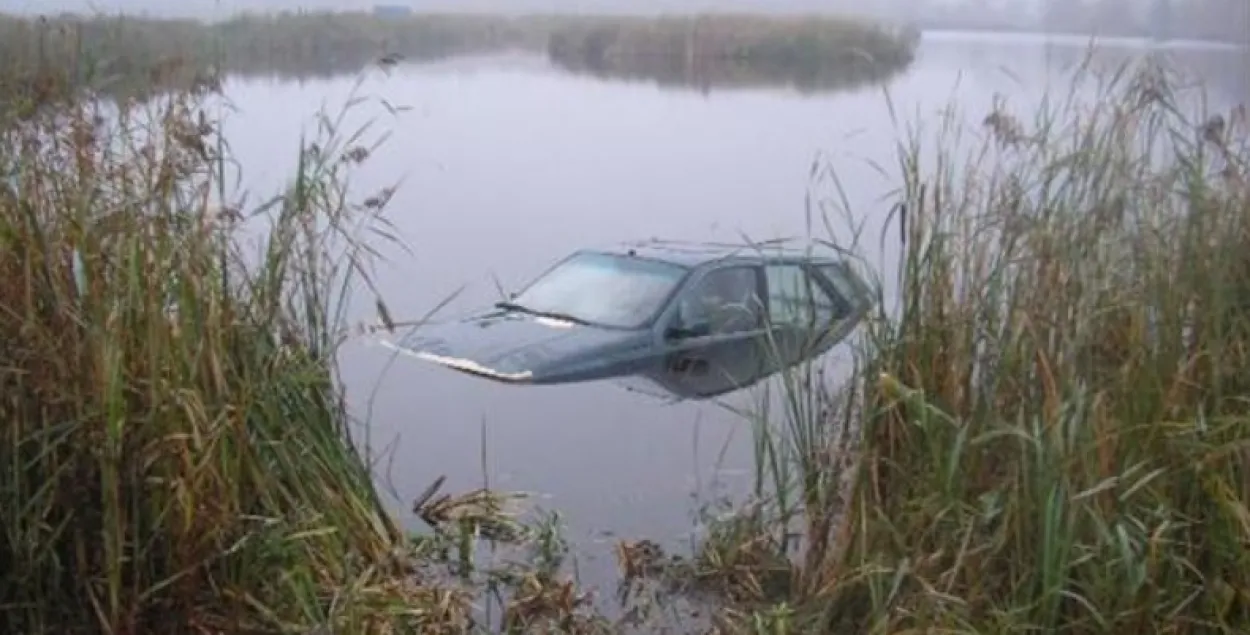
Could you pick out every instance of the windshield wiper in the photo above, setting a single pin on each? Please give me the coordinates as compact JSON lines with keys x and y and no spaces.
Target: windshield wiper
{"x":555,"y":315}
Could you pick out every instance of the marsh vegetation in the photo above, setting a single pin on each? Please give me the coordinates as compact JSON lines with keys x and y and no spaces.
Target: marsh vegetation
{"x":824,"y":52}
{"x":178,"y":455}
{"x":176,"y":452}
{"x":1046,"y":430}
{"x":724,"y":51}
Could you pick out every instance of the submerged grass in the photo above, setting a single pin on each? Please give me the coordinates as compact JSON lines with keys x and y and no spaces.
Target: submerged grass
{"x":1055,"y":416}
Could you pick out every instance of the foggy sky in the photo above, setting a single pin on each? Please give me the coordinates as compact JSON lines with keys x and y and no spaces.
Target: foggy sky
{"x":1027,"y":10}
{"x":223,"y":8}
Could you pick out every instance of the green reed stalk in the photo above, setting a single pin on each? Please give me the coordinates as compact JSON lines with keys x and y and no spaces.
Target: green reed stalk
{"x":1054,"y":417}
{"x":176,"y":454}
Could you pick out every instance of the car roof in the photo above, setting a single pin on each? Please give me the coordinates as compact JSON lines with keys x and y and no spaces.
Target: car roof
{"x":694,"y":255}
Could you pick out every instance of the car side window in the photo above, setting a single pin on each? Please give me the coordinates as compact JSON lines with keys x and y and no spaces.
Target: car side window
{"x":795,"y":299}
{"x":845,"y":290}
{"x":723,"y":301}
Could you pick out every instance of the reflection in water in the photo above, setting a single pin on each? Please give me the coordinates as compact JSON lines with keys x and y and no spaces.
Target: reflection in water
{"x":139,"y":56}
{"x":702,"y":74}
{"x":806,"y":75}
{"x":508,"y":165}
{"x":1220,"y":69}
{"x":705,"y":74}
{"x":807,"y":65}
{"x":729,"y":51}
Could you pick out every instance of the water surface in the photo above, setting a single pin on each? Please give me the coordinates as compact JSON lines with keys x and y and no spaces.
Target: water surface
{"x":508,"y":164}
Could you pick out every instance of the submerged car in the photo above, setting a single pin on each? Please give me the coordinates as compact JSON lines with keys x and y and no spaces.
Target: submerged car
{"x":699,"y":321}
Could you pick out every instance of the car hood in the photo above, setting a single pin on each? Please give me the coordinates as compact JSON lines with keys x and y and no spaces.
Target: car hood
{"x":519,"y":347}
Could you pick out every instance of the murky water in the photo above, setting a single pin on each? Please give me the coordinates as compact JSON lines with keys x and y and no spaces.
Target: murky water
{"x":508,"y":164}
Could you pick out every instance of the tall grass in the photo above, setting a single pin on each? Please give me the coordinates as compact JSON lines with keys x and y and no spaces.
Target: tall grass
{"x":1054,"y":419}
{"x":787,"y":40}
{"x":175,"y":452}
{"x":729,"y":50}
{"x":139,"y":53}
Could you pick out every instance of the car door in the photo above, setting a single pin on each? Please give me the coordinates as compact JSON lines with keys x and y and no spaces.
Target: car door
{"x":801,"y":309}
{"x":713,"y":332}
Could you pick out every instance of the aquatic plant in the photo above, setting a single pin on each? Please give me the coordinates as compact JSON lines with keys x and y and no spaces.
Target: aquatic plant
{"x":140,"y":53}
{"x":176,"y":453}
{"x":1052,"y":419}
{"x":718,"y":50}
{"x":1064,"y":392}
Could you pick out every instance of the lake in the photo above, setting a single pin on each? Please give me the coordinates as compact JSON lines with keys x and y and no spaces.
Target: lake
{"x":508,"y":164}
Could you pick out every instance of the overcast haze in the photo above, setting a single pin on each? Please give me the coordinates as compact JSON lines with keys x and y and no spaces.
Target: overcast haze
{"x":222,"y":8}
{"x":1210,"y":20}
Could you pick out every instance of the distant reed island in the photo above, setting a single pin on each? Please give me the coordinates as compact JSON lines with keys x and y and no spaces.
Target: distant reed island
{"x":809,"y":52}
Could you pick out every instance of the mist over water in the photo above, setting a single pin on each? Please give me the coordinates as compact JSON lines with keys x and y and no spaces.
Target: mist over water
{"x":508,"y":163}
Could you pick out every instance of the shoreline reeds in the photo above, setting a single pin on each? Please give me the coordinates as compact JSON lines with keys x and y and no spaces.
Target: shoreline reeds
{"x":1054,"y":417}
{"x":1054,"y":413}
{"x":177,"y":454}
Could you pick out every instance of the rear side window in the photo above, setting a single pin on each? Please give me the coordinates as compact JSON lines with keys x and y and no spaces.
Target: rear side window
{"x":795,"y":299}
{"x":846,"y":290}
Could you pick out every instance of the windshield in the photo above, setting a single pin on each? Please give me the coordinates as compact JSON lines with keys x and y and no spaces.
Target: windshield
{"x":603,"y":289}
